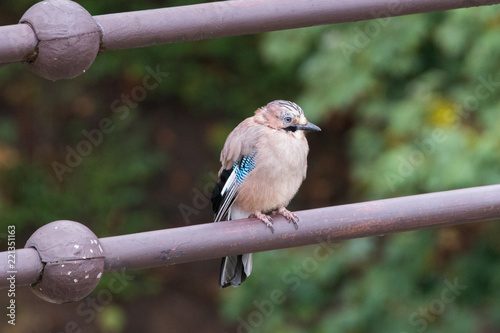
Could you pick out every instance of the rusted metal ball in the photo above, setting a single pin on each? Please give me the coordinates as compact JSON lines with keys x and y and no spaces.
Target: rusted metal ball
{"x":68,"y":39}
{"x":73,"y":261}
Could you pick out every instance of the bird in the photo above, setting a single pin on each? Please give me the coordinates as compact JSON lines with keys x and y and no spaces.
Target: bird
{"x":264,"y":162}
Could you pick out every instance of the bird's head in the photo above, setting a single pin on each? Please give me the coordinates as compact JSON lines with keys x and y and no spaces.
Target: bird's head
{"x":284,"y":115}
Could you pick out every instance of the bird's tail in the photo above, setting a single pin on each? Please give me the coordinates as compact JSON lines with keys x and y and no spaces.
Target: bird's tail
{"x":235,"y":269}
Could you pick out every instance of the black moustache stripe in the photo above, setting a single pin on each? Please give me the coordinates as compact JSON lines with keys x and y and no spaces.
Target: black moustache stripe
{"x":292,"y":128}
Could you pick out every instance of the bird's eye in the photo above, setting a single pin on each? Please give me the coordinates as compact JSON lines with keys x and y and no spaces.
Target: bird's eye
{"x":288,"y":120}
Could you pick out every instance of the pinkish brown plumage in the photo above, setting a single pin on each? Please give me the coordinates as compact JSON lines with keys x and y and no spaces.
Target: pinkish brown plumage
{"x":264,"y":162}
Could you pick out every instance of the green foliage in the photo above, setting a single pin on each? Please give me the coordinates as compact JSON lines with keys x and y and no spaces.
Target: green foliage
{"x":112,"y":319}
{"x":423,"y":92}
{"x":407,"y":78}
{"x":100,"y":192}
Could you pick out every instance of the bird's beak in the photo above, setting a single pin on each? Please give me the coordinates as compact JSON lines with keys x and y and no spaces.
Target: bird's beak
{"x":308,"y":127}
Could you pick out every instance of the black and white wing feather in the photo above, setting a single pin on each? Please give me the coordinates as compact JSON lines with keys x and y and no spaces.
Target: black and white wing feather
{"x":226,"y":189}
{"x":234,"y":269}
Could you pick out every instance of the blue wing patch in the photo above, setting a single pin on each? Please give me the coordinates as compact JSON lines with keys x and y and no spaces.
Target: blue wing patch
{"x":243,"y":168}
{"x":240,"y":171}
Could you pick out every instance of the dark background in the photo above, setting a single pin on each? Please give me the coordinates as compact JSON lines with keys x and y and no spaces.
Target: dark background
{"x":380,"y":90}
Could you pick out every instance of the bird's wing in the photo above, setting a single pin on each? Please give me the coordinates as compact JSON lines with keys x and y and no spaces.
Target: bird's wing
{"x":242,"y":141}
{"x":238,"y":159}
{"x":226,"y":189}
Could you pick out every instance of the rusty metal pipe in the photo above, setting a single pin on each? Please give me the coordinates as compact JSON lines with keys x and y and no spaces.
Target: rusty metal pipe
{"x":374,"y":218}
{"x":16,"y":42}
{"x":233,"y":18}
{"x":337,"y":223}
{"x":27,"y":269}
{"x":225,"y":18}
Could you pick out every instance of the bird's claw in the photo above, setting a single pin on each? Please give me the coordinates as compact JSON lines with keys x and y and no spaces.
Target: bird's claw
{"x":268,"y":220}
{"x":290,"y":216}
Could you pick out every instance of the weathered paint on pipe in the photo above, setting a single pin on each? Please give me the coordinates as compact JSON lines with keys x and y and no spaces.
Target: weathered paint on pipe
{"x":16,"y":42}
{"x":225,"y":18}
{"x":213,"y":240}
{"x":233,"y":18}
{"x":331,"y":224}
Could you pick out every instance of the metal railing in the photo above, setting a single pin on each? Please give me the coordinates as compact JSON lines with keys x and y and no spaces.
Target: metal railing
{"x":59,"y":39}
{"x":214,"y":240}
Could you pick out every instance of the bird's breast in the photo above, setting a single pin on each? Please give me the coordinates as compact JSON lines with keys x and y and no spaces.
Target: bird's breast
{"x":280,"y":168}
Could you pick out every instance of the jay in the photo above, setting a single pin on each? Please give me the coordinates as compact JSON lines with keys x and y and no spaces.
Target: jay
{"x":264,"y":161}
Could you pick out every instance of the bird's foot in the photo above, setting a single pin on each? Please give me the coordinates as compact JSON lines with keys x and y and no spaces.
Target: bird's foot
{"x":266,"y":219}
{"x":291,"y":217}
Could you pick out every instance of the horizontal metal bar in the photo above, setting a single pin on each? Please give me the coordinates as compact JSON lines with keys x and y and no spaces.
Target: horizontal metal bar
{"x":16,"y":42}
{"x":214,"y":240}
{"x":226,"y":18}
{"x":233,"y":18}
{"x":27,"y":267}
{"x":332,"y":224}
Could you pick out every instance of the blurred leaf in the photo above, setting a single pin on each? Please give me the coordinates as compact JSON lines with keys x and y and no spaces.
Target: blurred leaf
{"x":112,"y":319}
